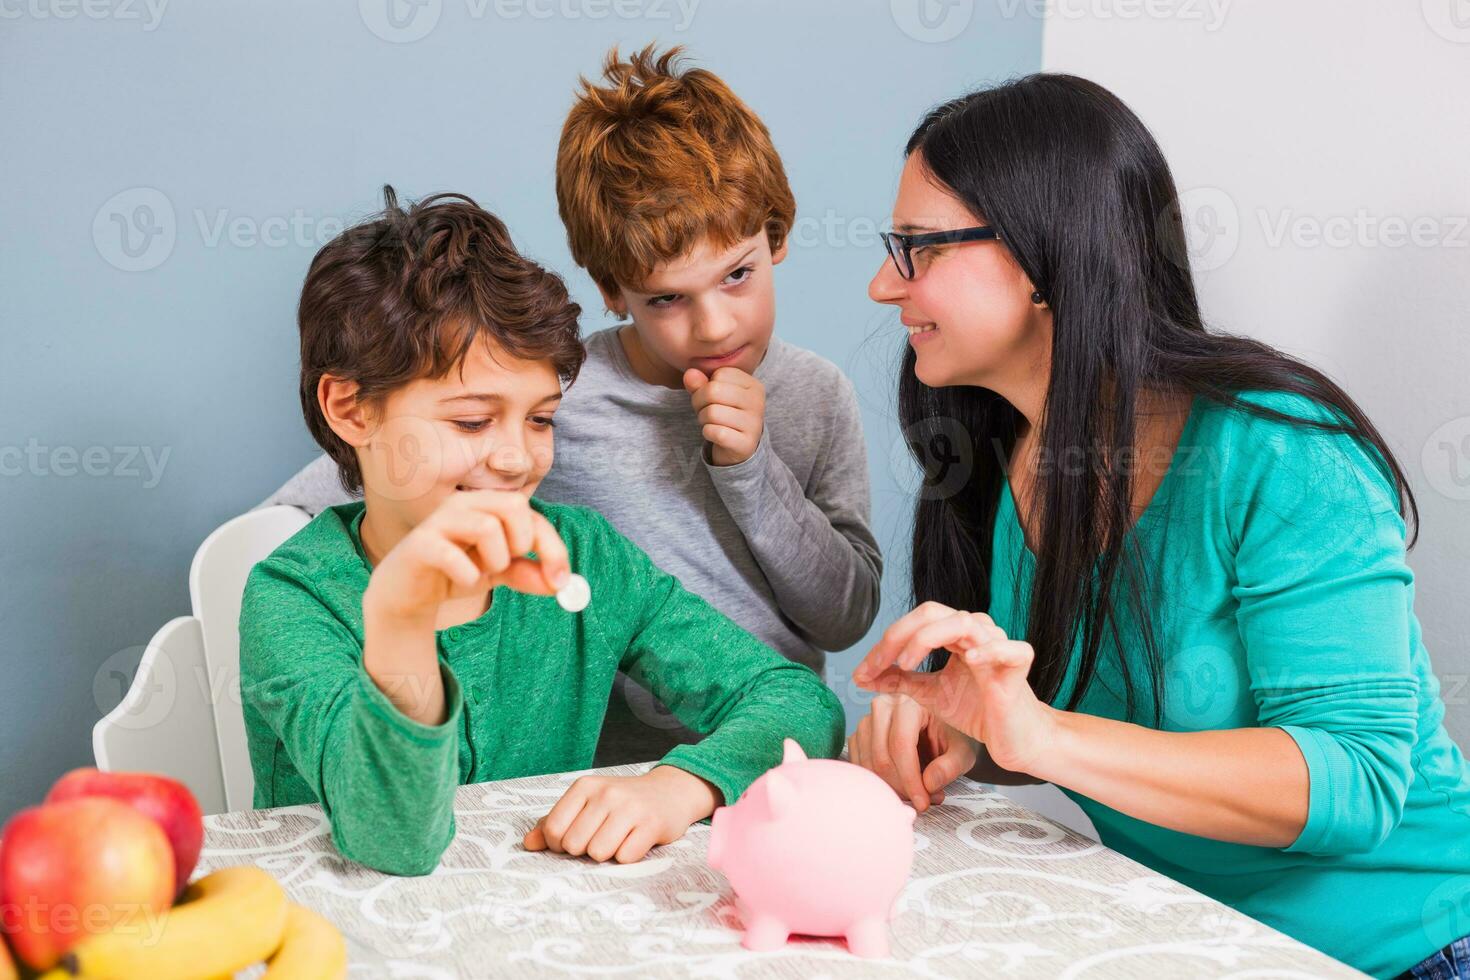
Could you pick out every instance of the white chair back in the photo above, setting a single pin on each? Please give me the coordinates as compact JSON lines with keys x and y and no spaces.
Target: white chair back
{"x":165,"y":722}
{"x":216,"y":585}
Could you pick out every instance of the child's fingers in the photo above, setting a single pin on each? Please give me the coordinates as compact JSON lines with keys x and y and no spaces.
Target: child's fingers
{"x":726,"y":392}
{"x":583,"y":829}
{"x":722,"y":436}
{"x":491,"y":549}
{"x":535,"y":839}
{"x":734,"y":376}
{"x":520,"y":532}
{"x":733,"y":418}
{"x":511,"y":511}
{"x":460,"y":525}
{"x":525,"y":575}
{"x":451,"y":560}
{"x":566,"y":810}
{"x":694,"y":379}
{"x":609,"y":837}
{"x":551,"y":552}
{"x":720,"y":393}
{"x":638,"y":843}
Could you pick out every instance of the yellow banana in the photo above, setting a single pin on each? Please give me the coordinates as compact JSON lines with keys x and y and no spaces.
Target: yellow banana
{"x":228,"y":920}
{"x":312,"y":949}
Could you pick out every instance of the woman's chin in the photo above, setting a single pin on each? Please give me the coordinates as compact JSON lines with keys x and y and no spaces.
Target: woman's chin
{"x":932,"y":371}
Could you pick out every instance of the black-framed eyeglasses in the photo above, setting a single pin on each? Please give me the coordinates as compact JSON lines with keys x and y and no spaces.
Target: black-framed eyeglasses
{"x":900,"y":247}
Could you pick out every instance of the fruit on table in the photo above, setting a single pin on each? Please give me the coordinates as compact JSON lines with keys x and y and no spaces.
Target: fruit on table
{"x":7,"y":962}
{"x":166,"y":800}
{"x":225,"y":922}
{"x":76,"y":868}
{"x":311,"y":949}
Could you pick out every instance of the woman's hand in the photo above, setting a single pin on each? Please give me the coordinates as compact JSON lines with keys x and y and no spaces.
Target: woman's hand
{"x":621,"y":817}
{"x":472,"y":542}
{"x":915,"y":753}
{"x":982,"y":691}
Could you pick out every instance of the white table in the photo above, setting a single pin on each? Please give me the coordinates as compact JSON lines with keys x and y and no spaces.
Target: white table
{"x":997,"y":890}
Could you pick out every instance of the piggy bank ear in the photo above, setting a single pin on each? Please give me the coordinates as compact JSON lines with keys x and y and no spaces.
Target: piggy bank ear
{"x":793,"y":752}
{"x":780,"y":794}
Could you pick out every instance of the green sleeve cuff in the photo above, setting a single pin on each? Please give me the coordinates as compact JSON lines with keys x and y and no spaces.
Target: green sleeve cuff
{"x":691,"y":760}
{"x":392,"y":783}
{"x":382,"y":707}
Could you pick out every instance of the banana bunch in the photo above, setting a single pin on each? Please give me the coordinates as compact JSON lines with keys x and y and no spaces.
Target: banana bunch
{"x":226,"y":921}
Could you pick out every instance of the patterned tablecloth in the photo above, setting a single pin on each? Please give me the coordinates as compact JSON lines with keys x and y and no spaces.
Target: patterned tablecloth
{"x":996,"y":890}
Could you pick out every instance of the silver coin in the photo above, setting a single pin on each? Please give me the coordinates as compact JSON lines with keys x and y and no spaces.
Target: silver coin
{"x":575,"y":595}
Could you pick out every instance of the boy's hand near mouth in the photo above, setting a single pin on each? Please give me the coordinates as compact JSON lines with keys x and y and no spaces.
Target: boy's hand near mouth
{"x":731,"y":406}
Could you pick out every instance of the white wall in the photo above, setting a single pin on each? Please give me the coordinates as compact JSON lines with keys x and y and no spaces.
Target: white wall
{"x":1350,"y":121}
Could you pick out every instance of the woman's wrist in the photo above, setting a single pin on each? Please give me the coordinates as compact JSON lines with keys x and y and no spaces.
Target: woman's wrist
{"x":1055,"y":752}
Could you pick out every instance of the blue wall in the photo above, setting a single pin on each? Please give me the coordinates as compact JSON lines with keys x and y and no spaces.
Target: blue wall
{"x":147,"y":384}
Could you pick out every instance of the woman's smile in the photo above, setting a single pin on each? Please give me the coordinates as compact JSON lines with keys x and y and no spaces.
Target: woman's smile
{"x":920,"y":334}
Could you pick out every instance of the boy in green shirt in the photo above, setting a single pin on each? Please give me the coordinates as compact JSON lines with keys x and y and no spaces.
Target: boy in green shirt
{"x":398,"y":647}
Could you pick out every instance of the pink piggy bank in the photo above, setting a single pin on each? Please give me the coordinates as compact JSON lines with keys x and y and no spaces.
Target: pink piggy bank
{"x":816,"y":847}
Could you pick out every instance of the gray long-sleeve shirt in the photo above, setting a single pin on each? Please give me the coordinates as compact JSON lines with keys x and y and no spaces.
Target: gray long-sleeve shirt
{"x":780,"y":543}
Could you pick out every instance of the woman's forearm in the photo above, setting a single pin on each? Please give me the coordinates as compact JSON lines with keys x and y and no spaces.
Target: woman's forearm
{"x":1245,"y":785}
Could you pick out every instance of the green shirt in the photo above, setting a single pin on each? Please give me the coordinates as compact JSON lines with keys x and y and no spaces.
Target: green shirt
{"x":526,"y":685}
{"x":1280,"y":597}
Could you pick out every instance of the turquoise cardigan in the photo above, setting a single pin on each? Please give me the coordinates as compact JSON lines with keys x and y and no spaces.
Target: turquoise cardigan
{"x":1280,"y":597}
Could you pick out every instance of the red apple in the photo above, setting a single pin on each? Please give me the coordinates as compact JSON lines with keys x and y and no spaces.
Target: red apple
{"x":79,"y":867}
{"x":166,"y":800}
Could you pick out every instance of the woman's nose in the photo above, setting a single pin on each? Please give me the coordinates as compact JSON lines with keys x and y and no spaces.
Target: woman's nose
{"x":887,"y":286}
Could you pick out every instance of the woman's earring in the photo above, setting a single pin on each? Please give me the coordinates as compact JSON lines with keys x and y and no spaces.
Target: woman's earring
{"x":1037,"y":298}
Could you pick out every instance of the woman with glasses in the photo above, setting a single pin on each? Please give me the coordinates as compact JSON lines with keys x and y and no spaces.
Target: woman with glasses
{"x":1157,"y":566}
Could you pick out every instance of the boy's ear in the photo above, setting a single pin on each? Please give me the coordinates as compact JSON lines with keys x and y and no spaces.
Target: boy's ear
{"x":348,"y":417}
{"x":780,"y":253}
{"x":613,"y":300}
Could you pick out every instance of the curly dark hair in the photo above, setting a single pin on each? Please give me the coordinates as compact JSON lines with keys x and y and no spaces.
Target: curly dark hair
{"x":405,"y":294}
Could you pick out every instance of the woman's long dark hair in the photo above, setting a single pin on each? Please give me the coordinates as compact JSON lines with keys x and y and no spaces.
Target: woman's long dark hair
{"x":1082,"y":197}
